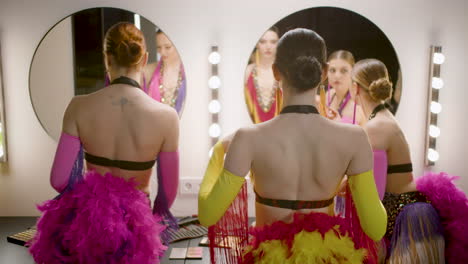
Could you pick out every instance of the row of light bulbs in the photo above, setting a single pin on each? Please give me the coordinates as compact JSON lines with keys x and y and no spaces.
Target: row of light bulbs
{"x":435,"y":107}
{"x":214,"y":83}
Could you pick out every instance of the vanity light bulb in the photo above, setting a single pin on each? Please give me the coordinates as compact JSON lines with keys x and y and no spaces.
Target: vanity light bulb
{"x":215,"y":130}
{"x":137,"y":21}
{"x":438,"y":58}
{"x":434,"y":131}
{"x":214,"y":82}
{"x":214,"y":106}
{"x":436,"y":108}
{"x":214,"y":57}
{"x":432,"y":155}
{"x":437,"y":83}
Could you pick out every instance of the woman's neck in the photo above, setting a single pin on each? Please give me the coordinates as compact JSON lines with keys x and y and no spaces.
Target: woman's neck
{"x":265,"y":63}
{"x":292,"y":98}
{"x":171,"y":63}
{"x":368,"y":106}
{"x":340,"y":95}
{"x":132,"y":74}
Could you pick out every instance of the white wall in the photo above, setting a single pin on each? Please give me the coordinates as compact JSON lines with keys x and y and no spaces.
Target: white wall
{"x":235,"y":26}
{"x":51,"y":77}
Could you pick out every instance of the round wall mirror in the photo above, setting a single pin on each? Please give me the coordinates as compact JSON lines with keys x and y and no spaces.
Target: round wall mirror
{"x":69,"y":61}
{"x":347,"y":35}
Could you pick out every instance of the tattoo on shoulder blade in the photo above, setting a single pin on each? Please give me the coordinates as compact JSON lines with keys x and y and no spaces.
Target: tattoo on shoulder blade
{"x":122,"y":102}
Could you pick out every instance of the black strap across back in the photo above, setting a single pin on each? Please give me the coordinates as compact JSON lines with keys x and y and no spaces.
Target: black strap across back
{"x":121,"y":164}
{"x":400,"y":168}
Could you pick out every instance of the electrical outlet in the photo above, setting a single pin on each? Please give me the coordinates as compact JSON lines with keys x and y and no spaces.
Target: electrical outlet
{"x":189,"y":185}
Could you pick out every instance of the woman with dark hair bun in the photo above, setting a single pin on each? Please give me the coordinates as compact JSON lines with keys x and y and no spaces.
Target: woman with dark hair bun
{"x":103,"y":215}
{"x":297,"y":161}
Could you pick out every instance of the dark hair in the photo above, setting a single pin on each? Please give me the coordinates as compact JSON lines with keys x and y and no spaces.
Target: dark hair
{"x":300,"y":56}
{"x":275,"y":29}
{"x":126,"y":43}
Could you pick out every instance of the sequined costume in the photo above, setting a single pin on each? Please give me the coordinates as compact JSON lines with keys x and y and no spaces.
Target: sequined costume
{"x":259,"y":113}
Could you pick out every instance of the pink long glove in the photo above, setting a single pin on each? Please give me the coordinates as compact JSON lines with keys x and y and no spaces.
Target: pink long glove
{"x":168,"y":184}
{"x":65,"y":157}
{"x":380,"y":171}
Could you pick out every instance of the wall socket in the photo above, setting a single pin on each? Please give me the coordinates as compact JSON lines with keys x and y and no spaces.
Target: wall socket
{"x":189,"y":185}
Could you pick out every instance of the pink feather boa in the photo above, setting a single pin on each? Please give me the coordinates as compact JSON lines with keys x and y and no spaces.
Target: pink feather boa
{"x":452,"y":206}
{"x":103,"y":219}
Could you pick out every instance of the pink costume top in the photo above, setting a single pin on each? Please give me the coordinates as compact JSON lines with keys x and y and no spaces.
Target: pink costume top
{"x":344,"y":119}
{"x":257,"y":113}
{"x":380,"y":171}
{"x":153,"y":88}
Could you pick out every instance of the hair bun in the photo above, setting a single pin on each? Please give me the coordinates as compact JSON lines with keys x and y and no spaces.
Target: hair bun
{"x":305,"y":72}
{"x":380,"y":89}
{"x":129,"y":53}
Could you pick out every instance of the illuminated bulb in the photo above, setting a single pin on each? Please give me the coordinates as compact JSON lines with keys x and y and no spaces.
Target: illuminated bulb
{"x":137,"y":21}
{"x":434,"y":131}
{"x":215,"y":130}
{"x":214,"y":57}
{"x":432,"y":155}
{"x":214,"y":82}
{"x":437,"y":83}
{"x":436,"y":108}
{"x":214,"y":107}
{"x":438,"y":58}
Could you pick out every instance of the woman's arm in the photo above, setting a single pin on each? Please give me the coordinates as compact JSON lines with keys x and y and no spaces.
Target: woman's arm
{"x":372,"y":214}
{"x":221,"y":184}
{"x":168,"y":165}
{"x":67,"y":150}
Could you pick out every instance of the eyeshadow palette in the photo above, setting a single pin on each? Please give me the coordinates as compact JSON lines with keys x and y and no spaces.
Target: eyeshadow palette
{"x":189,"y":228}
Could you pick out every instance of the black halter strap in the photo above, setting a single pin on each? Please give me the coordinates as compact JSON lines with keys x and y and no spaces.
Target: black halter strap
{"x":126,"y":80}
{"x":377,"y":109}
{"x":301,"y":109}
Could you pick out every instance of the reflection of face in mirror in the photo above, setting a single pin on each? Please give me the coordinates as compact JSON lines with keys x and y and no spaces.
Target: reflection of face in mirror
{"x":262,"y":94}
{"x":71,"y":55}
{"x":340,"y":65}
{"x":164,"y":80}
{"x":349,"y":37}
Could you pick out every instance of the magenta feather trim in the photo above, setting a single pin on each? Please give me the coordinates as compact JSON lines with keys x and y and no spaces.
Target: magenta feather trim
{"x":104,"y":219}
{"x":452,"y":206}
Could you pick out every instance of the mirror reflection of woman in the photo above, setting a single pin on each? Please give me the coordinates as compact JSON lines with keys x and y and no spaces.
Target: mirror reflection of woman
{"x":415,"y":231}
{"x":262,"y":94}
{"x":340,"y":65}
{"x":165,"y":80}
{"x":294,"y":185}
{"x":103,"y":215}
